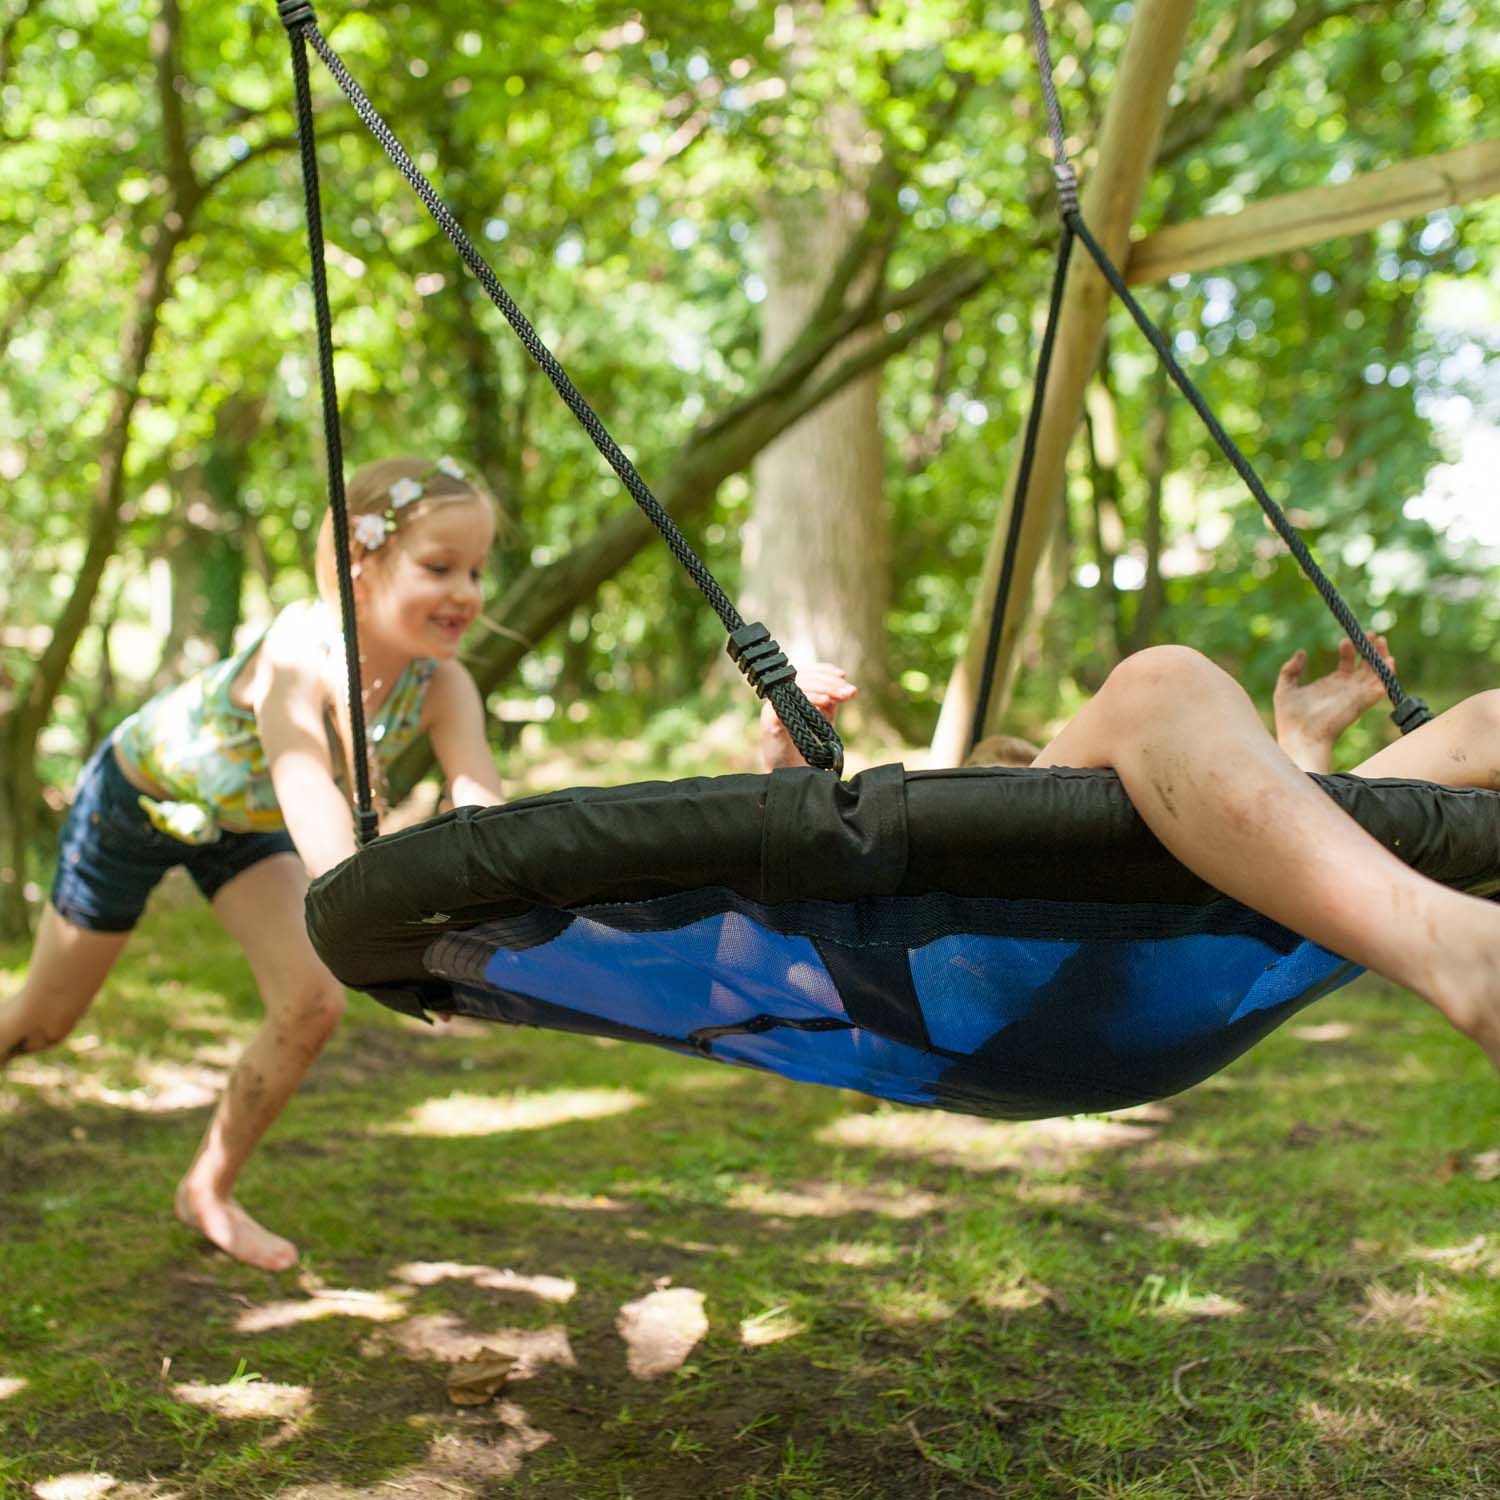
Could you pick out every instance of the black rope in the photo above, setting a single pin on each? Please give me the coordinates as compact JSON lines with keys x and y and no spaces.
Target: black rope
{"x":1408,"y":712}
{"x":767,"y":670}
{"x":1022,"y":491}
{"x":297,"y":16}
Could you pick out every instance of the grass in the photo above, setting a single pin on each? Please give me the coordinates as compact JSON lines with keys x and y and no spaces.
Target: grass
{"x":1286,"y":1283}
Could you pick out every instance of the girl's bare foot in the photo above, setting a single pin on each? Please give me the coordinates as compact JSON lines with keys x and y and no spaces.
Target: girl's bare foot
{"x":227,"y":1225}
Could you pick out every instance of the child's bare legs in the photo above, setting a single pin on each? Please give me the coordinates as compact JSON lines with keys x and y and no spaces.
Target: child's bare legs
{"x":1212,"y":785}
{"x":262,"y":910}
{"x":68,"y":965}
{"x":1458,"y":748}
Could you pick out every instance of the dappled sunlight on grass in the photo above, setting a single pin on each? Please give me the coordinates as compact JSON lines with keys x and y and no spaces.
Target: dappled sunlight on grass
{"x":700,"y":1080}
{"x":75,"y":1486}
{"x":11,"y":1385}
{"x":1356,"y":1426}
{"x":499,"y":1114}
{"x":1014,"y":1297}
{"x":832,"y":1200}
{"x":1329,"y":1031}
{"x":445,"y":1338}
{"x":157,"y":1087}
{"x":860,"y":1253}
{"x":774,"y":1326}
{"x":1202,"y":1230}
{"x":661,"y":1329}
{"x":1159,"y":1297}
{"x":251,"y":1400}
{"x":906,"y":1307}
{"x":1186,"y":1304}
{"x":597,"y":1203}
{"x":490,"y":1449}
{"x":986,"y":1145}
{"x":430,"y":1272}
{"x":1413,"y":1311}
{"x":372,"y":1307}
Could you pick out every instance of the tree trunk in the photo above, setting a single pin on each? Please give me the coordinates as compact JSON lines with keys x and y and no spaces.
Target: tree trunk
{"x":19,"y":790}
{"x":816,"y":548}
{"x":542,"y":596}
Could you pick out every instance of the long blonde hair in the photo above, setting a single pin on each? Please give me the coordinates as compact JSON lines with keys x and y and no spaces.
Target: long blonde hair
{"x":374,"y":490}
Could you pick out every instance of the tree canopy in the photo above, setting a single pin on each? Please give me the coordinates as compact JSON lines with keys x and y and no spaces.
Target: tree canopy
{"x":159,"y":436}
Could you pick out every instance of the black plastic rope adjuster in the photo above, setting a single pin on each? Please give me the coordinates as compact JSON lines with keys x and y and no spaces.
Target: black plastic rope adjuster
{"x":759,"y":657}
{"x":1410,"y":714}
{"x":295,"y":13}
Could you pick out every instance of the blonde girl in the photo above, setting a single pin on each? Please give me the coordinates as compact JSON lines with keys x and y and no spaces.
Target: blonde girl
{"x":240,"y":774}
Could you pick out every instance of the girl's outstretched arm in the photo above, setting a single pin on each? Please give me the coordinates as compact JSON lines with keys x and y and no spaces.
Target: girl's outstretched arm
{"x":454,"y":719}
{"x":287,"y":697}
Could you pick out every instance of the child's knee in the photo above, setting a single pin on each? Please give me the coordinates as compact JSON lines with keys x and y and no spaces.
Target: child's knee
{"x":1482,"y":716}
{"x":316,"y":1011}
{"x":326,"y":1009}
{"x":1161,"y":668}
{"x":43,"y":1013}
{"x":27,"y":1029}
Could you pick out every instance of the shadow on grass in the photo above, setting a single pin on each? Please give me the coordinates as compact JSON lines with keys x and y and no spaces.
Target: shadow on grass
{"x":700,"y":1280}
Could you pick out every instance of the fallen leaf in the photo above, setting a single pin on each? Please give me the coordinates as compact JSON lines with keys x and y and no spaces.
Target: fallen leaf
{"x":472,"y":1382}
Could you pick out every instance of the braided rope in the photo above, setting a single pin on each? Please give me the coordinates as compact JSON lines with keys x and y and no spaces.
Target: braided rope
{"x":814,"y":736}
{"x":1022,"y":490}
{"x":1407,"y":711}
{"x":292,"y":12}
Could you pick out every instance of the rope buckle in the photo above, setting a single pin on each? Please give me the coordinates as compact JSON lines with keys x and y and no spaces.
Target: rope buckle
{"x":1410,"y":713}
{"x":759,"y":658}
{"x":295,"y":13}
{"x":1067,"y":186}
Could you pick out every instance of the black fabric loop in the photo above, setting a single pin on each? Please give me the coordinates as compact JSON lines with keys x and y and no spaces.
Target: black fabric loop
{"x":833,"y":841}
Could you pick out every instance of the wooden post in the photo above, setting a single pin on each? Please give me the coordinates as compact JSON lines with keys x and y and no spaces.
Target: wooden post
{"x":1112,"y":187}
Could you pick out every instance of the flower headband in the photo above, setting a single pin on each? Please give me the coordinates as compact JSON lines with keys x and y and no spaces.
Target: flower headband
{"x":371,"y":528}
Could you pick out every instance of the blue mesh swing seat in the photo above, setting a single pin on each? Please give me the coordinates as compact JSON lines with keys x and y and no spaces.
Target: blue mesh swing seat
{"x":1003,"y":942}
{"x":1000,"y":942}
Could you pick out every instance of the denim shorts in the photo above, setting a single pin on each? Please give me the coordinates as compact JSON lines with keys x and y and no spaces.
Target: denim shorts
{"x":112,"y":855}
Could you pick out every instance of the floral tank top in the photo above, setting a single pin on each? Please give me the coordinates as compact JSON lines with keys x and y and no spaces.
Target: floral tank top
{"x":204,"y":751}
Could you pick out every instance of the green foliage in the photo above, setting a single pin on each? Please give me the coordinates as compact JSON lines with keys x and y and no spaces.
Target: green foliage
{"x":612,"y":164}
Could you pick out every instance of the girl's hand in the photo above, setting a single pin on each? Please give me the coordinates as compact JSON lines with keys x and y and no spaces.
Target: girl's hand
{"x":826,"y":687}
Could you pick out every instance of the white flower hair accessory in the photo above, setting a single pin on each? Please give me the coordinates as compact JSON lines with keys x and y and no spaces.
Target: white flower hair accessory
{"x":404,"y":491}
{"x":371,"y":528}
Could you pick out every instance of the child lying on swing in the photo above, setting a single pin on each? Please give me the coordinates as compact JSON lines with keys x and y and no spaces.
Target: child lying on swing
{"x":1234,"y":807}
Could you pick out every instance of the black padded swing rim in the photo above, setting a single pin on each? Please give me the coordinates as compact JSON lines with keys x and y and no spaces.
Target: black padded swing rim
{"x":799,"y":835}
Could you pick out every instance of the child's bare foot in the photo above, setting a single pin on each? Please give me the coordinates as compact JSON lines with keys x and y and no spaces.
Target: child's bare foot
{"x":1464,"y":983}
{"x":227,"y":1225}
{"x":1310,"y":716}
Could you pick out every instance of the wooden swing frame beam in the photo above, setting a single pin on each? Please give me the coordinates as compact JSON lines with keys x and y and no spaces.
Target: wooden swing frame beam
{"x":1291,"y":221}
{"x":1128,"y":142}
